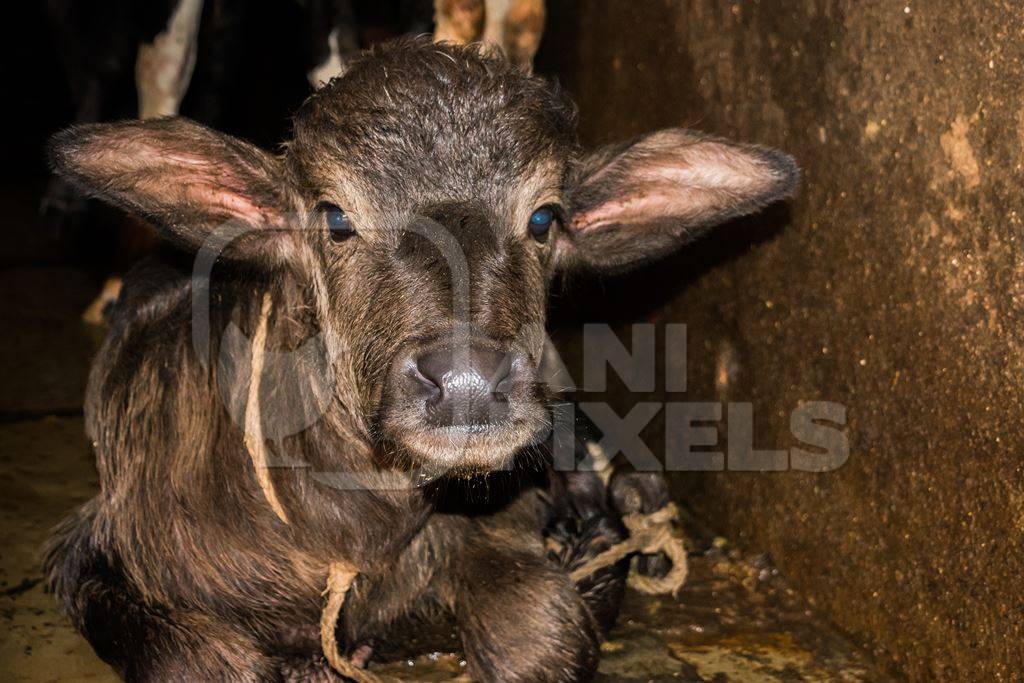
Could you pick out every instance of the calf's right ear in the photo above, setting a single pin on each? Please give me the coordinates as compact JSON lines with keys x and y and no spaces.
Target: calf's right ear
{"x":189,"y":180}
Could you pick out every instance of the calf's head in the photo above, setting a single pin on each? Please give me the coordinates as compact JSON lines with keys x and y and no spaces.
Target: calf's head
{"x":425,"y":201}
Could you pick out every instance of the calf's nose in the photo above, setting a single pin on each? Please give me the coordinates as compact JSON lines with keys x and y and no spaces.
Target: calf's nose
{"x":466,"y":387}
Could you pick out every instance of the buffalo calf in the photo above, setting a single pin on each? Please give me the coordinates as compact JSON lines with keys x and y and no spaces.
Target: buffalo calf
{"x":397,"y":253}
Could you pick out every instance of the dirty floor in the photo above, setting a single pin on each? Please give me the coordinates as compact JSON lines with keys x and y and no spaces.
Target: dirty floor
{"x":735,"y":620}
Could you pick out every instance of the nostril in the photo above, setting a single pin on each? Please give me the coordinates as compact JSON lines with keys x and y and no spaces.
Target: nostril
{"x":501,"y":380}
{"x":428,"y":378}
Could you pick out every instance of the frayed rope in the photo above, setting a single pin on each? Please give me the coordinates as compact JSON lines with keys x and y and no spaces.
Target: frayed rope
{"x":254,"y":441}
{"x":340,"y":576}
{"x":649,"y":534}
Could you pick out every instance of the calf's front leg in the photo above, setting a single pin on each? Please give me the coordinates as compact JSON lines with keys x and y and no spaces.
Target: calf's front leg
{"x":522,"y":619}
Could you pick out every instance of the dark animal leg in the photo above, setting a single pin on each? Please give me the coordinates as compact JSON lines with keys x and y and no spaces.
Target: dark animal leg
{"x":144,"y":641}
{"x":643,"y":492}
{"x":521,"y":618}
{"x":312,"y":669}
{"x":147,"y":643}
{"x":580,"y":527}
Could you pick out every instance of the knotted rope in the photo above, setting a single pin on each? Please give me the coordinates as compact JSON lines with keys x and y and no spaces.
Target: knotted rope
{"x":648,"y":533}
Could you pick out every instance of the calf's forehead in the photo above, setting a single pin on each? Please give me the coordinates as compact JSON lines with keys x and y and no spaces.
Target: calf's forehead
{"x":435,"y":124}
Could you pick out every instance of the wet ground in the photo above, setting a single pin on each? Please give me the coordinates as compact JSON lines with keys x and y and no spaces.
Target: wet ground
{"x":735,"y":620}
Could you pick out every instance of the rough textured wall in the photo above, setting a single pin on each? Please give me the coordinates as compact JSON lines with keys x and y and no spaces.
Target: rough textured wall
{"x":894,"y":284}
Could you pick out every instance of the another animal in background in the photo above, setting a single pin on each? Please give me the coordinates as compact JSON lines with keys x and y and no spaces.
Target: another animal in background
{"x":395,"y":260}
{"x":514,"y":26}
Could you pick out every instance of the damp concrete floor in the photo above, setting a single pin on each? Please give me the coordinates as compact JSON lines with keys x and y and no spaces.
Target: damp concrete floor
{"x":735,"y":620}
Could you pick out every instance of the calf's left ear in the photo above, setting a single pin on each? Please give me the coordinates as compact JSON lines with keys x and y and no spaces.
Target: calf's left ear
{"x":634,"y":202}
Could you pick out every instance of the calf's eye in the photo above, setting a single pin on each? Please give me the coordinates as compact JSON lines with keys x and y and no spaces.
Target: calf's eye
{"x":339,"y":227}
{"x":540,"y":223}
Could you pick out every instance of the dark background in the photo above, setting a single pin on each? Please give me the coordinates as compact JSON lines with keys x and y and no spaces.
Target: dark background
{"x":250,"y":75}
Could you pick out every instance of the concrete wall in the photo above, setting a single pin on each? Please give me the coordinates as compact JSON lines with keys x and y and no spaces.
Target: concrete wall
{"x":894,"y":285}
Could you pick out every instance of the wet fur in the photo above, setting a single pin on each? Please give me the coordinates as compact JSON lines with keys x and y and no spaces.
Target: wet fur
{"x":168,"y":453}
{"x":180,"y":569}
